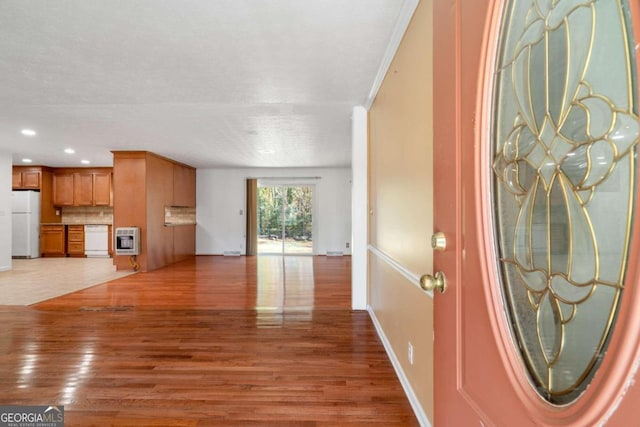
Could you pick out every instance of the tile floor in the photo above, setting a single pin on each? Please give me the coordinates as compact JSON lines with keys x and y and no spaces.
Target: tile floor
{"x":36,"y":280}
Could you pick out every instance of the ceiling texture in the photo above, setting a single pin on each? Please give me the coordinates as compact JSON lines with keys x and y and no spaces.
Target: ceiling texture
{"x":210,"y":83}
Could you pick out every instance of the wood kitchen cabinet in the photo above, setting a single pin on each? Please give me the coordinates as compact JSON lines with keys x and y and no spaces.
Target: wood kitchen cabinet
{"x":184,"y":186}
{"x":82,"y":189}
{"x":53,"y":240}
{"x":63,"y":189}
{"x":26,"y":178}
{"x":102,"y":193}
{"x":75,"y":240}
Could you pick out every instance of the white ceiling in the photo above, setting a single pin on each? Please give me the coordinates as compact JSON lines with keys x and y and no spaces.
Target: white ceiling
{"x":211,"y":83}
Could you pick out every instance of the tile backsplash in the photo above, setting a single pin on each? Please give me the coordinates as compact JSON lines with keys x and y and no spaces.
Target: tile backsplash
{"x":179,"y":215}
{"x":87,"y":215}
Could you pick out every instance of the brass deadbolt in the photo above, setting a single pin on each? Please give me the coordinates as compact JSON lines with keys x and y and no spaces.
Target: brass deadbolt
{"x":439,"y":241}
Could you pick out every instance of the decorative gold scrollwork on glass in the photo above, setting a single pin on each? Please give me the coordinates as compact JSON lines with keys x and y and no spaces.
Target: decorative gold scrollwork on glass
{"x":565,"y":132}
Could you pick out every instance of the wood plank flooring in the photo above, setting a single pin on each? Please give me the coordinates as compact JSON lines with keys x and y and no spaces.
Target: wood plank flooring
{"x":209,"y":341}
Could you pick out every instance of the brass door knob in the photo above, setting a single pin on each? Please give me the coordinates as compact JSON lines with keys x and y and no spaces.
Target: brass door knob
{"x":435,"y":282}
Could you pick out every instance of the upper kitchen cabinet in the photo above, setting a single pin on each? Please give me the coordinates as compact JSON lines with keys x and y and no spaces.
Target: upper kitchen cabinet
{"x":82,"y":187}
{"x":102,"y":192}
{"x":26,"y":178}
{"x":63,"y":189}
{"x":184,"y":186}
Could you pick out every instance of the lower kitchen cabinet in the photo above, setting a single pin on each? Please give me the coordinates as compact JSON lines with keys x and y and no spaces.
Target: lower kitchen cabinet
{"x":75,"y":240}
{"x":53,"y":240}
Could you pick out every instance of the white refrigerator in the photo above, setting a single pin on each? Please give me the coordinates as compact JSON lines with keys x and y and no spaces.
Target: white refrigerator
{"x":25,"y":240}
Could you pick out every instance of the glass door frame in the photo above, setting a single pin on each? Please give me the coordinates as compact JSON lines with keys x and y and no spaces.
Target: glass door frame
{"x":284,"y":184}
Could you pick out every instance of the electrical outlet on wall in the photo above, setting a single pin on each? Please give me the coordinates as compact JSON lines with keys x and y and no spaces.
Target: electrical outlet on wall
{"x":348,"y":244}
{"x":410,"y":353}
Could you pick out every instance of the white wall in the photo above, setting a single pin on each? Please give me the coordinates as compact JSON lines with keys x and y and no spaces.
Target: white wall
{"x":221,"y":195}
{"x":5,"y":210}
{"x":360,"y":211}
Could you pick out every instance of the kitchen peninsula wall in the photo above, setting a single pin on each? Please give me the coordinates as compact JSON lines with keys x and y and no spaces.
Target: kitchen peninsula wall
{"x":144,"y":184}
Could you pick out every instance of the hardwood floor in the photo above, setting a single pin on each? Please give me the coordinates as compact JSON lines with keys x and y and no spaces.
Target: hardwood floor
{"x":209,"y":341}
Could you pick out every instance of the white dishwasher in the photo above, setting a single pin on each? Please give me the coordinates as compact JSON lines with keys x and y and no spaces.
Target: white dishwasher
{"x":96,"y":240}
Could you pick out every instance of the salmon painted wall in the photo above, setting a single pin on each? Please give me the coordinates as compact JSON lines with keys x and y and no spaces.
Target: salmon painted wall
{"x":400,"y":201}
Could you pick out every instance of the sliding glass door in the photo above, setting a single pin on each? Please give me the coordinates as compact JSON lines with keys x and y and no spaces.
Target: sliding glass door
{"x":285,"y":219}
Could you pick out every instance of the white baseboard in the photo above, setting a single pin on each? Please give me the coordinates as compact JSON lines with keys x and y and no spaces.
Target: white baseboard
{"x":335,"y":253}
{"x":404,"y":381}
{"x":232,"y":253}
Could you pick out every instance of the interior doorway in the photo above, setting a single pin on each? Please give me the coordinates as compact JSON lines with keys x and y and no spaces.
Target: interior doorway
{"x":285,"y":219}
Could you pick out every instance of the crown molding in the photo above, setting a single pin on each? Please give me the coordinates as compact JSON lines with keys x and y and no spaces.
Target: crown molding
{"x":406,"y":13}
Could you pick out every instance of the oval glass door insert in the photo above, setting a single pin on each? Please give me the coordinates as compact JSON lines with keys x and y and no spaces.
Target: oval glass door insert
{"x":564,"y":137}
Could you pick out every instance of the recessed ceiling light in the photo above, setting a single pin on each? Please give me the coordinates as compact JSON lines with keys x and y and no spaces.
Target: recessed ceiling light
{"x":69,"y":150}
{"x":28,"y":132}
{"x":85,"y":162}
{"x":26,"y":160}
{"x":266,"y":151}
